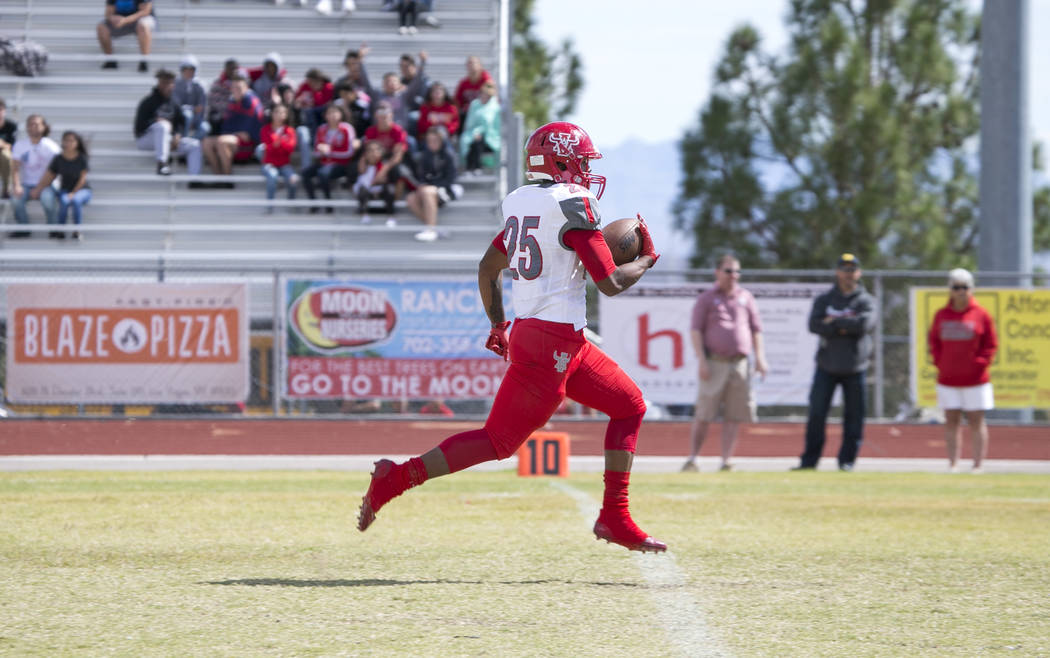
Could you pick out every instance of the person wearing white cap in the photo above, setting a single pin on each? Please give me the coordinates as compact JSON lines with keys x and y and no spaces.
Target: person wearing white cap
{"x":962,"y":342}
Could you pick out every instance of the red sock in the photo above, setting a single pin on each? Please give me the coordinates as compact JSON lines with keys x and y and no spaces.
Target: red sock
{"x":410,"y":474}
{"x":615,"y":498}
{"x":465,"y":449}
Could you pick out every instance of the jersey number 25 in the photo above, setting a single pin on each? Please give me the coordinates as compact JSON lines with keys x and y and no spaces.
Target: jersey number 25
{"x":523,"y":250}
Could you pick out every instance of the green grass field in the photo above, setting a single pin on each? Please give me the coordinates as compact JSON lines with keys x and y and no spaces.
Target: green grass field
{"x":269,"y":563}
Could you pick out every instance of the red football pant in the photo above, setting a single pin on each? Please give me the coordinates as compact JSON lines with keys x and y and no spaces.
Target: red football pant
{"x":549,"y":362}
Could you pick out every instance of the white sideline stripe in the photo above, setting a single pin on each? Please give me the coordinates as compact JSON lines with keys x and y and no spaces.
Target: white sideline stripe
{"x":681,"y":618}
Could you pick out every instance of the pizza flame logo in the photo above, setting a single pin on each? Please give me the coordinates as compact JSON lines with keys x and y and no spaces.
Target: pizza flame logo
{"x":565,"y":143}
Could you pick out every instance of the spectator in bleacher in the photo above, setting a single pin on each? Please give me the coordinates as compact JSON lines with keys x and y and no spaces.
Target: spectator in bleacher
{"x":266,"y":78}
{"x":962,"y":343}
{"x":158,"y":122}
{"x":355,"y":73}
{"x":125,"y":17}
{"x":31,"y":156}
{"x":219,"y":92}
{"x":277,"y":141}
{"x":394,"y":142}
{"x":436,"y":168}
{"x":373,"y":183}
{"x":8,"y":130}
{"x":438,"y":110}
{"x":414,"y":78}
{"x":333,"y":149}
{"x":312,"y":97}
{"x":357,"y":112}
{"x":191,"y":98}
{"x":303,"y":141}
{"x":481,"y":130}
{"x":69,"y":168}
{"x":424,"y":7}
{"x":407,"y":16}
{"x":399,"y":96}
{"x":470,"y":86}
{"x":239,"y":131}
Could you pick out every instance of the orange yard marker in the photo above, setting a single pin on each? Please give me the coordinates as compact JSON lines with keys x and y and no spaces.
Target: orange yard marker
{"x":544,"y":453}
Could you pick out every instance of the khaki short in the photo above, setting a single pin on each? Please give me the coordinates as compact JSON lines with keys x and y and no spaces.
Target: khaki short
{"x":148,"y":22}
{"x":728,"y":390}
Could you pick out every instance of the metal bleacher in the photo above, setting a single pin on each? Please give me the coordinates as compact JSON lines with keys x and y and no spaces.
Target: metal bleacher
{"x":137,"y":216}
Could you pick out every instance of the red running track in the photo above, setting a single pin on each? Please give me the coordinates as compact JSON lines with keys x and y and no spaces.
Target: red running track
{"x":399,"y":437}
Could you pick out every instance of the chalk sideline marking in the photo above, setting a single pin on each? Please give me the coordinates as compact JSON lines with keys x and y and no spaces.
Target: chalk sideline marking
{"x":680,"y":617}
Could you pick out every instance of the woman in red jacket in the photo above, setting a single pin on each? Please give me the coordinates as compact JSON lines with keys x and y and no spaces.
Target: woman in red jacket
{"x":333,"y":149}
{"x":962,"y":343}
{"x":277,"y":142}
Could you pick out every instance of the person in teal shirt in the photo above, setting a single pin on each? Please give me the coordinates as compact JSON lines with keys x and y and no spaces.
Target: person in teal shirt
{"x":481,"y":131}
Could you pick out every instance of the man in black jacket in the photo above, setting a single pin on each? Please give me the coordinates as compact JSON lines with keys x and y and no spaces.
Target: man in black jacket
{"x":158,"y":121}
{"x":844,"y":318}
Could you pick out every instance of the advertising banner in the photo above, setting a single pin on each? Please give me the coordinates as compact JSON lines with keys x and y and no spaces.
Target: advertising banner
{"x":1021,"y":367}
{"x":646,"y":329}
{"x":388,"y":339}
{"x":117,"y":343}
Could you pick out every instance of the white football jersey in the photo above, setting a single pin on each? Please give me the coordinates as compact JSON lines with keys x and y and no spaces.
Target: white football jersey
{"x":548,"y":276}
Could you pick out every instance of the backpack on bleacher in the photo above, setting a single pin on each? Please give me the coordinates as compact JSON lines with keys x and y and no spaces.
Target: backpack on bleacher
{"x":26,"y":57}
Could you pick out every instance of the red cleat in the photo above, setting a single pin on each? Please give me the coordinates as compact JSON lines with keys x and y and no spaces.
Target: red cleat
{"x":620,"y":529}
{"x":380,"y":491}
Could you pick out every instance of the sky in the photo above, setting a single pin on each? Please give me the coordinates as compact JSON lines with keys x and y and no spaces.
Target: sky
{"x":648,"y":67}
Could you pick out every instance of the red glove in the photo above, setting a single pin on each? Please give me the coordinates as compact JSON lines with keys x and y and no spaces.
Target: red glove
{"x":648,"y":248}
{"x":498,"y":341}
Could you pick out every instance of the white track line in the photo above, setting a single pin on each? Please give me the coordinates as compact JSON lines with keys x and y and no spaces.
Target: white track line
{"x":681,"y":618}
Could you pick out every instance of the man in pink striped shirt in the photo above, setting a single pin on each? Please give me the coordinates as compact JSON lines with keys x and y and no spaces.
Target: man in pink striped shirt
{"x":726,"y":330}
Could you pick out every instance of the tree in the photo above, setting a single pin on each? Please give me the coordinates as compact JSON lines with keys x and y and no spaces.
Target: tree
{"x":546,"y":83}
{"x":863,"y":138}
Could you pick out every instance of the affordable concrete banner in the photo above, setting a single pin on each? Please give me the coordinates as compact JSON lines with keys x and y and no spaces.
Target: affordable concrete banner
{"x":116,"y":343}
{"x":388,"y":339}
{"x":1021,"y":367}
{"x":646,"y":330}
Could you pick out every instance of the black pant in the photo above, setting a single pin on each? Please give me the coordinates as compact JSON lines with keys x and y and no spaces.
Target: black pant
{"x":386,"y":193}
{"x":407,"y":13}
{"x":477,"y":149}
{"x":820,"y":395}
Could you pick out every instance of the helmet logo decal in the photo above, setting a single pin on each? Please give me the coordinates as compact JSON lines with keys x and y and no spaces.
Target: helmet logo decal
{"x":564,"y":144}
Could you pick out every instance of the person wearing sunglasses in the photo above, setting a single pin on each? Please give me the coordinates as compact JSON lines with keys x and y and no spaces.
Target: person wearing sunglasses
{"x":843,"y":318}
{"x":962,"y":344}
{"x":726,"y":330}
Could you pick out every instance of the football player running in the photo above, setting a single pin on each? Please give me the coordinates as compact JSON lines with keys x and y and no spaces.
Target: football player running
{"x":551,"y":238}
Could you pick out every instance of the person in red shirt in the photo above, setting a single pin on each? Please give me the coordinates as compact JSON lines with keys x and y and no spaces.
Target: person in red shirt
{"x":394,"y":141}
{"x":277,"y":143}
{"x":469,"y":87}
{"x":962,"y":344}
{"x":333,"y":149}
{"x":312,"y":97}
{"x":437,"y":110}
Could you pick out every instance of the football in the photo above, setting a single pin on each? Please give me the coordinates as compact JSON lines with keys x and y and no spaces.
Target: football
{"x":624,"y":239}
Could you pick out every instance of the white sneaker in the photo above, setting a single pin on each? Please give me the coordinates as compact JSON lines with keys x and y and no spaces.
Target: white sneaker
{"x":427,"y":235}
{"x":403,"y":30}
{"x":977,"y":470}
{"x":391,"y":222}
{"x":366,"y":219}
{"x":952,"y":468}
{"x":443,"y":195}
{"x":412,"y":29}
{"x":349,"y":5}
{"x":278,"y":2}
{"x":431,"y":20}
{"x":324,"y":7}
{"x":457,"y":191}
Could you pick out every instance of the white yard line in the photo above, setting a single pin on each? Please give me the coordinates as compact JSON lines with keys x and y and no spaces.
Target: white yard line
{"x":678,"y":614}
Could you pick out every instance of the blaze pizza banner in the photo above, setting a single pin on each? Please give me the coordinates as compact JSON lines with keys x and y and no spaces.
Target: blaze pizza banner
{"x":646,"y":329}
{"x":388,"y":339}
{"x":116,"y":343}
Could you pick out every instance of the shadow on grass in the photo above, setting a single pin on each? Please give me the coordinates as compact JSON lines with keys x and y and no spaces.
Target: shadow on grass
{"x":383,"y":582}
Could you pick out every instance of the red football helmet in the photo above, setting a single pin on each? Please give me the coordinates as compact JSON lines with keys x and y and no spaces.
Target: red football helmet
{"x":561,"y":152}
